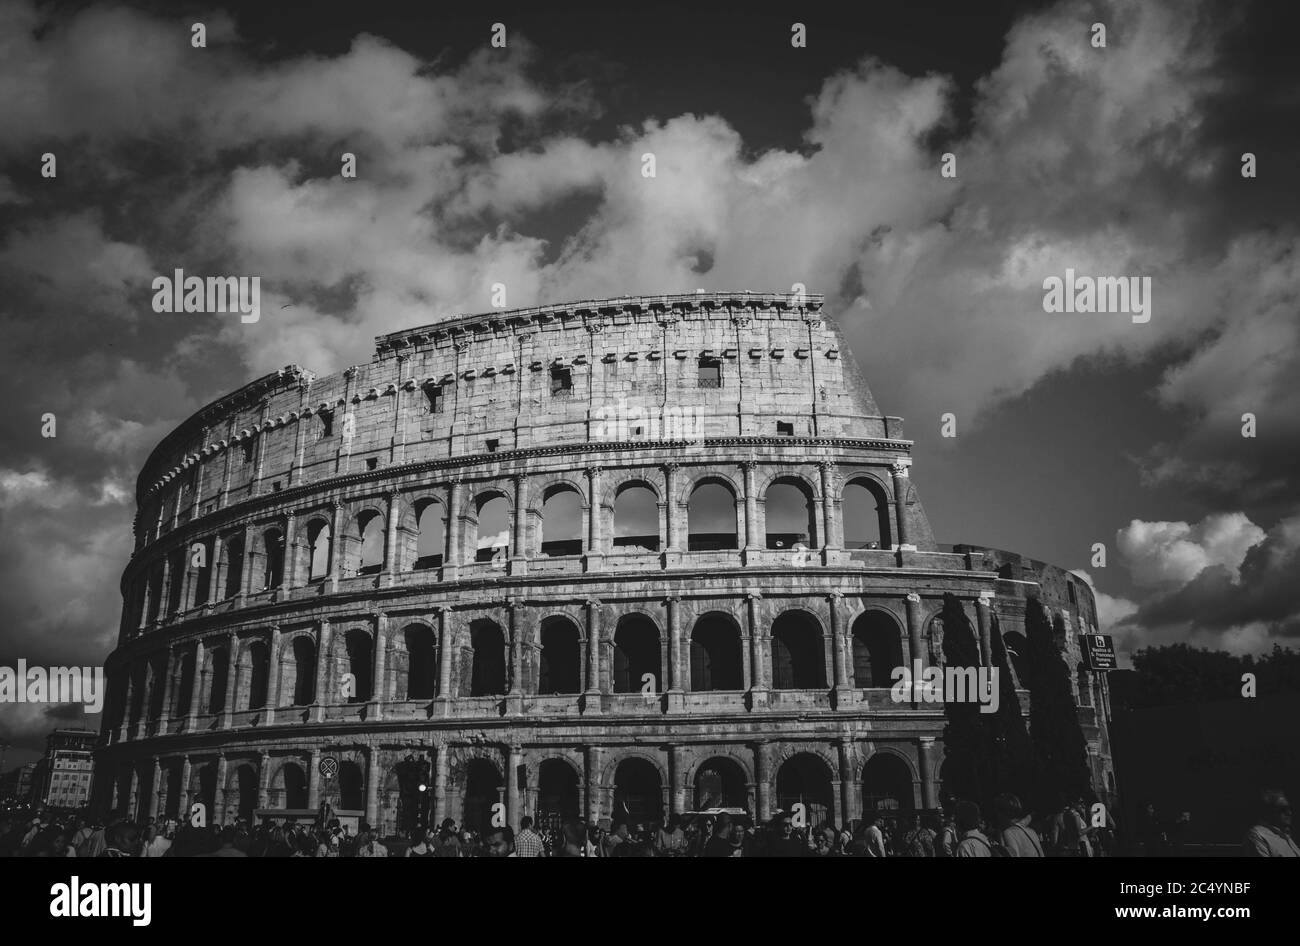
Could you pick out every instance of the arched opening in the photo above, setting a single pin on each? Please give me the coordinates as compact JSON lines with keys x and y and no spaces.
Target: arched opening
{"x":1017,"y":646}
{"x":352,"y":787}
{"x":246,"y":787}
{"x":217,"y":682}
{"x":185,"y":692}
{"x":877,"y":650}
{"x":866,"y":516}
{"x":254,"y":670}
{"x":636,"y":654}
{"x":432,"y":525}
{"x":562,"y":521}
{"x":482,"y":790}
{"x":207,"y":791}
{"x":487,"y":659}
{"x":711,"y":518}
{"x":798,"y":653}
{"x":720,"y":783}
{"x":560,"y":664}
{"x":202,"y":572}
{"x":172,"y":774}
{"x":176,"y":586}
{"x":804,"y":779}
{"x":234,"y":565}
{"x":157,"y":685}
{"x":638,"y":793}
{"x":359,"y":661}
{"x":303,"y":670}
{"x":557,"y":794}
{"x":493,"y":528}
{"x":155,"y":594}
{"x":790,"y":515}
{"x":295,"y":785}
{"x":886,"y":784}
{"x":716,"y":659}
{"x":421,"y":677}
{"x":370,"y":531}
{"x":636,"y":518}
{"x":319,"y":539}
{"x":273,"y":564}
{"x":1085,"y":685}
{"x":414,"y":793}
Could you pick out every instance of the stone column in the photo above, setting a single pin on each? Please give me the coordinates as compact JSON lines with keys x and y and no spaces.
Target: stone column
{"x":313,"y":780}
{"x":273,"y":675}
{"x":752,"y":538}
{"x":183,"y":803}
{"x":515,"y":698}
{"x":391,"y":564}
{"x":373,"y":777}
{"x":676,"y":693}
{"x":677,"y":772}
{"x":292,"y":554}
{"x":670,"y":509}
{"x":593,"y":784}
{"x":444,"y":660}
{"x":228,"y":705}
{"x":763,"y":776}
{"x":843,"y":693}
{"x":595,"y":546}
{"x":196,"y":689}
{"x":264,"y":780}
{"x":925,"y":755}
{"x":595,"y":686}
{"x":438,"y":756}
{"x":901,"y":483}
{"x":336,"y":545}
{"x":378,"y":691}
{"x":169,"y":678}
{"x":757,"y":649}
{"x":514,"y":759}
{"x":222,"y":774}
{"x":452,"y":559}
{"x":982,"y":605}
{"x":519,"y":545}
{"x":846,"y":782}
{"x":155,"y":788}
{"x":831,"y":537}
{"x":248,"y":578}
{"x":322,"y":672}
{"x":915,"y":642}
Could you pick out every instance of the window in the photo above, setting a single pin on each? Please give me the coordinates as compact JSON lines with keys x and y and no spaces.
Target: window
{"x":561,"y":381}
{"x":372,"y":463}
{"x":492,"y":445}
{"x":784,"y":428}
{"x":248,"y":451}
{"x":710,"y":372}
{"x":275,"y":486}
{"x":432,"y":538}
{"x":435,"y":395}
{"x":326,"y":424}
{"x":636,"y":518}
{"x":562,"y":522}
{"x":1073,"y":599}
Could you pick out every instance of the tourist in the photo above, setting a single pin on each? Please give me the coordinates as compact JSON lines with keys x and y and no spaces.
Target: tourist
{"x":420,"y":846}
{"x":527,"y":841}
{"x":1018,"y":839}
{"x":973,"y":842}
{"x":1270,"y":836}
{"x":670,"y":839}
{"x":873,"y":835}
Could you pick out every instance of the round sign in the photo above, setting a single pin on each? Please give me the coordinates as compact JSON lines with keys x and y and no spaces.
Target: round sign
{"x":329,"y":766}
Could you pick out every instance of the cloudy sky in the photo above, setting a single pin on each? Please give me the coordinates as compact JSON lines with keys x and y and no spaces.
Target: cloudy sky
{"x":775,"y":165}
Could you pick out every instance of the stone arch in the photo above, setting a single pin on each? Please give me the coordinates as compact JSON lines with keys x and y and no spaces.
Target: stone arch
{"x":364,"y":541}
{"x":413,"y":661}
{"x":559,"y":656}
{"x":354,"y":653}
{"x":491,"y":509}
{"x":709,"y":753}
{"x":299,"y":655}
{"x":878,"y":647}
{"x":888,"y":774}
{"x":320,"y":546}
{"x":560,"y":517}
{"x":484,"y":660}
{"x":252,"y":675}
{"x":787,"y":510}
{"x":634,"y":503}
{"x":716,"y":653}
{"x":637,"y":648}
{"x":624,"y":753}
{"x":798,"y":651}
{"x":423,"y":533}
{"x":804,"y":777}
{"x":865,"y":512}
{"x":714,"y":510}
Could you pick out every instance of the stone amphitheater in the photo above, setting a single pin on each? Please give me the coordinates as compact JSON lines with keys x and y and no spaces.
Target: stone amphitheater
{"x":608,"y":559}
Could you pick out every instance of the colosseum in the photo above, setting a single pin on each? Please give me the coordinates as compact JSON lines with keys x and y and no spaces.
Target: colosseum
{"x":606,"y":559}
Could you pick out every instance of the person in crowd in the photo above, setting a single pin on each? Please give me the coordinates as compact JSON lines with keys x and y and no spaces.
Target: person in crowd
{"x":1270,"y":836}
{"x":873,"y":836}
{"x":527,"y":842}
{"x":156,"y":842}
{"x":228,"y":845}
{"x":420,"y":845}
{"x":367,"y":843}
{"x":918,"y":840}
{"x":572,"y":840}
{"x":719,"y":842}
{"x":618,"y":835}
{"x":499,"y":842}
{"x":670,"y":840}
{"x":973,"y":841}
{"x":785,"y":843}
{"x":121,"y":840}
{"x":447,"y":843}
{"x":1012,"y":824}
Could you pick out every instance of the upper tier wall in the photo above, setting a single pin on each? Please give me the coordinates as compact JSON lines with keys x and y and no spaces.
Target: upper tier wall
{"x":631,"y":363}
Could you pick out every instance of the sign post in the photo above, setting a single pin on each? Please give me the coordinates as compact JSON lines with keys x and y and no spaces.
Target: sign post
{"x":1099,"y":649}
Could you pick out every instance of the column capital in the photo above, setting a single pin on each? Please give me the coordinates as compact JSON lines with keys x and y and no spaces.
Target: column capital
{"x":593,"y":472}
{"x":985,"y":598}
{"x":913,"y":597}
{"x":926,"y":742}
{"x":753,"y":596}
{"x":672,"y":599}
{"x":670,"y":467}
{"x":390,"y":495}
{"x":749,"y":465}
{"x":518,"y":478}
{"x":834,"y":596}
{"x":899,"y":468}
{"x":593,"y":602}
{"x":454,"y":481}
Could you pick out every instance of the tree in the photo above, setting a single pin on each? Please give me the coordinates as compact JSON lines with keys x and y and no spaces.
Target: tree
{"x":1060,"y":750}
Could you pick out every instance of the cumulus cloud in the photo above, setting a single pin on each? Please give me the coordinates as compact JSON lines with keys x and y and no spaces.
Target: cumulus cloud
{"x":1176,"y":552}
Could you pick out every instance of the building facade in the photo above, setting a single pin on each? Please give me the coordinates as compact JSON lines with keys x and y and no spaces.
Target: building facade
{"x":16,"y":784}
{"x":606,"y":559}
{"x":68,"y":769}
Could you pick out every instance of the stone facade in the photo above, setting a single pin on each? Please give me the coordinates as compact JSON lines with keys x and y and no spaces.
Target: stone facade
{"x":609,"y":558}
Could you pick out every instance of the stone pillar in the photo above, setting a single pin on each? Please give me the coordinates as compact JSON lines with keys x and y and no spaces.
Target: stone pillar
{"x":169,"y":678}
{"x":220,"y":565}
{"x":264,"y":780}
{"x":196,"y":689}
{"x":373,"y":777}
{"x":982,"y":605}
{"x":519,"y":545}
{"x":593,"y":784}
{"x":595,"y":686}
{"x":452,"y":559}
{"x":676,"y":693}
{"x":292,"y":554}
{"x":514,"y":759}
{"x":128,"y":695}
{"x":901,"y":484}
{"x":273,"y":675}
{"x":670,"y":509}
{"x":915,"y":642}
{"x":831,"y":537}
{"x":336,"y":546}
{"x":847,"y":786}
{"x":228,"y":705}
{"x":444,"y":661}
{"x":438,"y":757}
{"x":378,"y":692}
{"x":322,"y":672}
{"x":763,"y":776}
{"x":183,"y":803}
{"x":677,"y":772}
{"x":595,"y":546}
{"x":752,"y":543}
{"x":248,"y":578}
{"x":515,"y":698}
{"x":155,"y":789}
{"x":757,"y":649}
{"x":843,"y":692}
{"x":222,"y":774}
{"x":391,"y":564}
{"x":313,"y":780}
{"x":925,"y":755}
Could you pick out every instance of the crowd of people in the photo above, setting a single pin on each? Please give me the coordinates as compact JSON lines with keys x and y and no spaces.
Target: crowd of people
{"x":1072,"y":829}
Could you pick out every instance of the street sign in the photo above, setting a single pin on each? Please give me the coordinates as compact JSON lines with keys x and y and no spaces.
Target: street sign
{"x":329,"y":766}
{"x":1099,"y":649}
